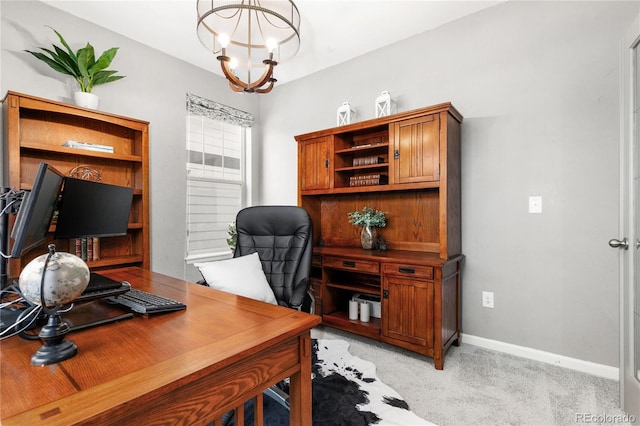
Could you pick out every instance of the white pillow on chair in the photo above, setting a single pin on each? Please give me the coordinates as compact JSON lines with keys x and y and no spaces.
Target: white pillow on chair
{"x":241,"y":275}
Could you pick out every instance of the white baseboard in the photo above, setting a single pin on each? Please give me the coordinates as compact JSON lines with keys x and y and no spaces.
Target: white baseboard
{"x":599,"y":370}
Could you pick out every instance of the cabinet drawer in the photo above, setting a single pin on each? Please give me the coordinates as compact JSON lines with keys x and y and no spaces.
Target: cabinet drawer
{"x":351,"y":264}
{"x":407,"y":270}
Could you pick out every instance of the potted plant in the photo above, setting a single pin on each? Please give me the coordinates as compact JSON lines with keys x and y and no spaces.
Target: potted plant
{"x":232,"y":236}
{"x":82,"y":66}
{"x":369,"y":219}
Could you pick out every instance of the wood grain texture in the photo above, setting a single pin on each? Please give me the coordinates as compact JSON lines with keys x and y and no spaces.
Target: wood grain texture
{"x":178,"y":368}
{"x":407,"y":313}
{"x":412,"y":219}
{"x":313,"y":166}
{"x":416,"y":148}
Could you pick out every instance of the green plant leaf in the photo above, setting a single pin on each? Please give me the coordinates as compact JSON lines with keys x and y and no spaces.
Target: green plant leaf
{"x":368,"y":217}
{"x":106,"y":76}
{"x":64,"y":43}
{"x":104,"y":60}
{"x":51,"y":62}
{"x":65,"y":60}
{"x":86,"y":59}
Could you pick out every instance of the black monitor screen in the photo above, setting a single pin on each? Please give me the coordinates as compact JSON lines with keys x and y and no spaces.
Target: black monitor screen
{"x":93,"y":209}
{"x":36,"y":210}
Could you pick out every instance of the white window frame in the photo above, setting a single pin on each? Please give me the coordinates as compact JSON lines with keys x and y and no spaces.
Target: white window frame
{"x":220,"y":114}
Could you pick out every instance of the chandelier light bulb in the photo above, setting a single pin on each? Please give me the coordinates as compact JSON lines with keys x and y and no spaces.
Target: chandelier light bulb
{"x":233,"y":63}
{"x":224,"y":40}
{"x":272,"y":45}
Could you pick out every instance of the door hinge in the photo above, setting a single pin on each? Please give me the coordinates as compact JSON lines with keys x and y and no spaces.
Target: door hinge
{"x":385,"y":294}
{"x":396,"y":154}
{"x":326,"y":163}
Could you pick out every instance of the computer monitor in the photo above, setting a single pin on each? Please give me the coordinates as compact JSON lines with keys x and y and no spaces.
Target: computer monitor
{"x":36,"y":211}
{"x":93,"y":209}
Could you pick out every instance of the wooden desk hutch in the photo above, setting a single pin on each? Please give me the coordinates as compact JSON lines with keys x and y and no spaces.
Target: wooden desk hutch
{"x":35,"y":131}
{"x":416,"y":165}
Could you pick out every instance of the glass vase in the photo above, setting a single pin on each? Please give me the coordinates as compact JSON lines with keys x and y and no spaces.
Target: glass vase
{"x":368,"y":237}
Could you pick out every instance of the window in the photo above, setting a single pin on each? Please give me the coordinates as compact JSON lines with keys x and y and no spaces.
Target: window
{"x":217,"y":170}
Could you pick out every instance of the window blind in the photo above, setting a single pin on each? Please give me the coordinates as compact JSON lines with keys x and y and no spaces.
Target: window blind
{"x":216,"y":186}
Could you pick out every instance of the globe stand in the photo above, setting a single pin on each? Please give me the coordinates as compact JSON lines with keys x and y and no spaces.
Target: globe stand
{"x":55,"y":348}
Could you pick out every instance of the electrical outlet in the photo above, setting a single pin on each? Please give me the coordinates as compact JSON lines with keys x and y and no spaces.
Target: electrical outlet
{"x":535,"y":204}
{"x":487,"y":299}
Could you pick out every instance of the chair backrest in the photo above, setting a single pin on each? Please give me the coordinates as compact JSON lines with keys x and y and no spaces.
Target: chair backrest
{"x":282,"y":236}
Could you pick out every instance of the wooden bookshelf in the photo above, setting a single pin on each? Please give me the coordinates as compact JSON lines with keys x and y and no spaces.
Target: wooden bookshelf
{"x":35,"y":131}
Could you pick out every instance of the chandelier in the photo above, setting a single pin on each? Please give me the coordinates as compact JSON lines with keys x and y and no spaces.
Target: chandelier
{"x":249,"y":38}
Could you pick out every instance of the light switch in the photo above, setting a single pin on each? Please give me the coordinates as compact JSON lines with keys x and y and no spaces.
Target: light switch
{"x":535,"y":204}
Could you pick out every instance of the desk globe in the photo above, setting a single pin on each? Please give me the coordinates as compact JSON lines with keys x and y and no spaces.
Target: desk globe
{"x":53,"y":280}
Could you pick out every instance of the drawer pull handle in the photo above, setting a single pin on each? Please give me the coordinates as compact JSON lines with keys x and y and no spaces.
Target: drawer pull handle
{"x":349,"y":264}
{"x":407,"y":270}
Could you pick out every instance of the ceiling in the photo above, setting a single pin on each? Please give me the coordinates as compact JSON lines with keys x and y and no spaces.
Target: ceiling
{"x":332,"y":31}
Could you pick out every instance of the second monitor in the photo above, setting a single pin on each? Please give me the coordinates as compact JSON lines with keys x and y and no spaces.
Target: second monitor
{"x":93,"y":209}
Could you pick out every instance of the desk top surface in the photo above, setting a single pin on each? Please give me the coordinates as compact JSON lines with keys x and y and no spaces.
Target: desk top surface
{"x":120,"y":361}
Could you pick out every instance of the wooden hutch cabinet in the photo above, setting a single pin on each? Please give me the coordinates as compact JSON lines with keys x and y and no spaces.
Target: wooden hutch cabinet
{"x":407,"y":165}
{"x":35,"y":131}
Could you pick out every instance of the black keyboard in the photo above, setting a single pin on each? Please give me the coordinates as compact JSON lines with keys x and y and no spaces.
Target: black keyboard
{"x":146,"y":303}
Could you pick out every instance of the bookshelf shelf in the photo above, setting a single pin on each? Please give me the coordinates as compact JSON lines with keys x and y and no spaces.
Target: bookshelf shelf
{"x":80,"y":152}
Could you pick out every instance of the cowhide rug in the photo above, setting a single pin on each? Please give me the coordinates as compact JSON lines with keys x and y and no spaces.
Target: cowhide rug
{"x":346,"y":392}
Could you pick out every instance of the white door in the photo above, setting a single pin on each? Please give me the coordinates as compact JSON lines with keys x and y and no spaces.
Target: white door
{"x":629,"y":241}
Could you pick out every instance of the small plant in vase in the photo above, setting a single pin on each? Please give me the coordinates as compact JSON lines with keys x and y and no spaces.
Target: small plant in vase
{"x":82,"y":66}
{"x":369,"y":219}
{"x":232,"y":236}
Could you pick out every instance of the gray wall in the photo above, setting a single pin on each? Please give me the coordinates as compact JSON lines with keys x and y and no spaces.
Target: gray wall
{"x":537,"y":83}
{"x":154,"y":90}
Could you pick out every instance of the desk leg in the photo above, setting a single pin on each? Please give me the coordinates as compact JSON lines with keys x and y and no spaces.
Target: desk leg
{"x":300,"y":386}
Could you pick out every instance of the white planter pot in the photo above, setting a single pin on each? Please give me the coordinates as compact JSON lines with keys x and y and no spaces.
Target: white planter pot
{"x":86,"y":100}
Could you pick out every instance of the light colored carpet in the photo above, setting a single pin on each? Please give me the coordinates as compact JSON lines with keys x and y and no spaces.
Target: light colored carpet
{"x":484,"y":387}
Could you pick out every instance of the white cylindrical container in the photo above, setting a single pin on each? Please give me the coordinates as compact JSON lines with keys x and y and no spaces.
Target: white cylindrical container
{"x":353,"y":309}
{"x":364,"y":311}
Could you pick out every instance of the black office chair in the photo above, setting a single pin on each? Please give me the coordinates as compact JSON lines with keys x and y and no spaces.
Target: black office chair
{"x":283,"y":238}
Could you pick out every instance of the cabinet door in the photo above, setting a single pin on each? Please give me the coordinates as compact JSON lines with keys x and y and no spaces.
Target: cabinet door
{"x":416,"y":149}
{"x":407,"y":310}
{"x":313,"y":164}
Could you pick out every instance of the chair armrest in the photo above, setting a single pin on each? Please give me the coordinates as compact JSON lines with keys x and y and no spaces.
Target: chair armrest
{"x":299,"y":293}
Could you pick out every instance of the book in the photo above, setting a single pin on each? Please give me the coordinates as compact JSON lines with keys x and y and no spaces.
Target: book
{"x":366,"y":161}
{"x":368,"y":179}
{"x":90,"y":146}
{"x":89,"y":249}
{"x":83,"y":253}
{"x":96,"y":248}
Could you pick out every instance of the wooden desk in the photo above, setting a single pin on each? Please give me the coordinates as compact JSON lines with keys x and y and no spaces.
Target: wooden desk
{"x":183,"y":367}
